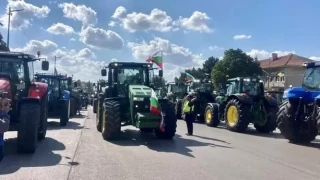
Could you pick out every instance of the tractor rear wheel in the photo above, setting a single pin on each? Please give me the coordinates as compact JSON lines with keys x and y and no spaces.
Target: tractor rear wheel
{"x":65,"y":112}
{"x":178,"y":108}
{"x":289,"y":128}
{"x":170,"y":121}
{"x":42,"y":131}
{"x":111,"y":125}
{"x":29,"y":118}
{"x":72,"y":106}
{"x":95,"y":103}
{"x":237,"y":116}
{"x":212,"y":116}
{"x":271,"y":123}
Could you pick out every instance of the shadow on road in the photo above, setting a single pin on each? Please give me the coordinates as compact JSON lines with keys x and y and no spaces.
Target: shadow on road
{"x":178,"y":145}
{"x":54,"y":125}
{"x":43,"y":156}
{"x":314,"y":144}
{"x":274,"y":135}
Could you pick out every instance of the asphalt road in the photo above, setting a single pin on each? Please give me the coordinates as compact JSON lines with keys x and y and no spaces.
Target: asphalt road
{"x":78,"y":152}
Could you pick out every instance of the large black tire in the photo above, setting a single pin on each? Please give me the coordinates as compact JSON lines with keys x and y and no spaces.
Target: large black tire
{"x":170,"y":121}
{"x":146,"y":130}
{"x":42,"y":131}
{"x":111,"y":125}
{"x":289,"y":128}
{"x":29,"y":118}
{"x":317,"y":118}
{"x":72,"y":106}
{"x":212,"y":115}
{"x":271,"y":123}
{"x":243,"y":116}
{"x":178,"y":109}
{"x":99,"y":117}
{"x":65,"y":112}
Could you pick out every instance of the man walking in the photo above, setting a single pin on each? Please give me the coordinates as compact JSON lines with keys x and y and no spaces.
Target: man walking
{"x":188,"y":107}
{"x":4,"y":122}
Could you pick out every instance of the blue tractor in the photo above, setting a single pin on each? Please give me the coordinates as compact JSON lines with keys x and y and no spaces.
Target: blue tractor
{"x":299,"y":114}
{"x":59,"y":102}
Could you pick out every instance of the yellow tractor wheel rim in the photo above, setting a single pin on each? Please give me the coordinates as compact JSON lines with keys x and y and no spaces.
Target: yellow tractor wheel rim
{"x":232,"y":116}
{"x":208,"y":116}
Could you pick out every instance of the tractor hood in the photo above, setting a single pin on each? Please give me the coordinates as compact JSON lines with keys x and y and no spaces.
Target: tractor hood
{"x":300,"y":92}
{"x":140,"y":91}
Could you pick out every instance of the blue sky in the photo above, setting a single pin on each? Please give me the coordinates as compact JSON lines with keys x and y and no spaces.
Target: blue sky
{"x":281,"y":26}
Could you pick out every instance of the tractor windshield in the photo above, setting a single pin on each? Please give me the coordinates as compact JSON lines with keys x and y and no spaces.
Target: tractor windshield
{"x":178,"y":88}
{"x":202,"y":87}
{"x":14,"y":68}
{"x":136,"y":76}
{"x":251,"y":88}
{"x":311,"y":78}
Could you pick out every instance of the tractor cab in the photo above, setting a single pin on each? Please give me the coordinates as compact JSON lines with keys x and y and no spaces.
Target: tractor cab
{"x":252,"y":87}
{"x":177,"y":91}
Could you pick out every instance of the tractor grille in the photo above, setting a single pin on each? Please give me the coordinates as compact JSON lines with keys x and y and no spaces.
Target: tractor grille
{"x":142,"y":106}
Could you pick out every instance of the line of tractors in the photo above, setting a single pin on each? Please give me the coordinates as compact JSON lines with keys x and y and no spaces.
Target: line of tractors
{"x":120,"y":101}
{"x":34,"y":97}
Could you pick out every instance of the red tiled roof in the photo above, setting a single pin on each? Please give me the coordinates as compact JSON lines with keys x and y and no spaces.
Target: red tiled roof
{"x":288,"y":60}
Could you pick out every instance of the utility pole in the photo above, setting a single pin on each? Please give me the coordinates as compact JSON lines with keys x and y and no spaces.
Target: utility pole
{"x":55,"y":62}
{"x":9,"y":22}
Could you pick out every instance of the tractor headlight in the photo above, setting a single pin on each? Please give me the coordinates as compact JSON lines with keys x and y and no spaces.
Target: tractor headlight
{"x":138,"y":99}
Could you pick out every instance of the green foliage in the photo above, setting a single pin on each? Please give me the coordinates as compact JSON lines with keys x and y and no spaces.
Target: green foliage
{"x":199,"y":73}
{"x":235,"y":63}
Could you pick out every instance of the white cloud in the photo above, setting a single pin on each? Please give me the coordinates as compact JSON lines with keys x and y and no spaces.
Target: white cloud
{"x":212,"y":48}
{"x":157,"y":20}
{"x":72,"y":39}
{"x":23,"y":19}
{"x":262,"y":54}
{"x":100,"y":38}
{"x":60,"y":29}
{"x":79,"y":12}
{"x":175,"y":58}
{"x":316,"y":58}
{"x":198,"y":21}
{"x":112,"y":23}
{"x":82,"y":64}
{"x":241,"y":36}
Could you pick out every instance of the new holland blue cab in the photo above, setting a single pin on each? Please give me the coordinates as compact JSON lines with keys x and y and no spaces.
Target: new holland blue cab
{"x":58,"y":95}
{"x":299,"y":115}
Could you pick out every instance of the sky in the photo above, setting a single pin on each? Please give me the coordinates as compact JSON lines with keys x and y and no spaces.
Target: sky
{"x":87,"y":35}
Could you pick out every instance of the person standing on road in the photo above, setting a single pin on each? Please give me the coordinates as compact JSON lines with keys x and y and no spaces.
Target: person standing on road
{"x":188,"y":107}
{"x":4,"y":122}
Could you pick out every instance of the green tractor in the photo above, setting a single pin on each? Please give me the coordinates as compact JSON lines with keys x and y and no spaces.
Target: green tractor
{"x":203,"y":90}
{"x":243,"y":103}
{"x":175,"y":93}
{"x":98,"y":102}
{"x":99,"y":85}
{"x":129,"y":99}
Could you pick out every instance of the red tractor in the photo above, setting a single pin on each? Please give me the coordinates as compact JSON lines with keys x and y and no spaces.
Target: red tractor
{"x":29,"y":99}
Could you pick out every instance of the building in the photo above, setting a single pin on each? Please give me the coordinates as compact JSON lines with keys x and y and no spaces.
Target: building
{"x":281,"y":72}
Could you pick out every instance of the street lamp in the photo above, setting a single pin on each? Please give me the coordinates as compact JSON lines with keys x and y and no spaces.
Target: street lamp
{"x":9,"y":21}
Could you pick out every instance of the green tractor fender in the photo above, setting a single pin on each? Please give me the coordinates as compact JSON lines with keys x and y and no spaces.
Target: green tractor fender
{"x":270,"y":101}
{"x":242,"y":98}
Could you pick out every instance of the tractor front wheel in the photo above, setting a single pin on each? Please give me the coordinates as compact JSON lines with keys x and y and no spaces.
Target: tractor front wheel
{"x":178,"y":108}
{"x":29,"y":118}
{"x":271,"y":123}
{"x":111,"y":125}
{"x":170,"y":121}
{"x":288,"y":125}
{"x":65,"y":112}
{"x":237,"y":116}
{"x":95,"y":104}
{"x":72,"y":106}
{"x":99,"y":117}
{"x":212,"y":116}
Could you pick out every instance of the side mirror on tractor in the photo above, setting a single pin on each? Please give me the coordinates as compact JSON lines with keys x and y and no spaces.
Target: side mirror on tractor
{"x":160,"y":73}
{"x":103,"y":72}
{"x":45,"y":65}
{"x":69,"y":81}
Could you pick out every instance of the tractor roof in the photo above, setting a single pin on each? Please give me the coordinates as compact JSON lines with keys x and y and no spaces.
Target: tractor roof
{"x":311,"y":64}
{"x":51,"y":76}
{"x":242,"y":78}
{"x":129,"y":64}
{"x":19,"y":55}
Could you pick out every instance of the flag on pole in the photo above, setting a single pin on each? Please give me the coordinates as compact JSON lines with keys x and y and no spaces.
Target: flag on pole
{"x":157,"y":59}
{"x":155,"y":109}
{"x":189,"y":77}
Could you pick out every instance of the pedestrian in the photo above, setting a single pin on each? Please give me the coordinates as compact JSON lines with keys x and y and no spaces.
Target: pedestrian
{"x":188,"y":111}
{"x":4,"y":122}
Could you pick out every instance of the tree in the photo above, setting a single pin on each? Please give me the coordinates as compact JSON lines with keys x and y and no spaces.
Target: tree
{"x":3,"y":45}
{"x":209,"y":64}
{"x":235,"y":63}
